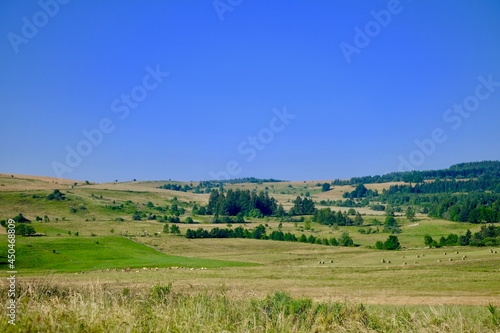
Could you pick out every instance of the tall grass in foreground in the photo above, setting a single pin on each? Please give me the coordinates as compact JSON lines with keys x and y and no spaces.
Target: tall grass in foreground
{"x":46,"y":307}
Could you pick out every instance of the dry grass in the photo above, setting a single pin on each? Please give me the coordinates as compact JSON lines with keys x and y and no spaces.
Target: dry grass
{"x":30,"y":183}
{"x":101,"y":307}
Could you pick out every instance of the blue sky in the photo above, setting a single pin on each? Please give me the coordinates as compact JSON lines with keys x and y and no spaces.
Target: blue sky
{"x":233,"y":66}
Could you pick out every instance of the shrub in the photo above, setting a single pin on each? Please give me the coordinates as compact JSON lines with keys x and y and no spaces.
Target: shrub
{"x":345,"y":239}
{"x":56,"y":195}
{"x":21,"y":218}
{"x":24,"y":229}
{"x":392,"y":243}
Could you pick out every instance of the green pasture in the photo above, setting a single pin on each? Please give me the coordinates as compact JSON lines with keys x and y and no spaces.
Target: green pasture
{"x":74,"y":254}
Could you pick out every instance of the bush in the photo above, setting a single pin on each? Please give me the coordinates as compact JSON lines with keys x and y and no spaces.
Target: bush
{"x":345,"y":240}
{"x":21,"y":218}
{"x":56,"y":195}
{"x":379,"y":208}
{"x":392,"y":243}
{"x":24,"y":230}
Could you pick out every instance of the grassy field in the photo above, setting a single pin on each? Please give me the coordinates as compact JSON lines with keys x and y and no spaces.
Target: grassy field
{"x":79,"y":254}
{"x":86,"y":244}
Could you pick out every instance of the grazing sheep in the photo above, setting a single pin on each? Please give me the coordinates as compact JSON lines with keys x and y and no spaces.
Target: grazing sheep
{"x":422,"y":255}
{"x":496,"y":251}
{"x":403,"y":257}
{"x":404,"y":263}
{"x":439,"y":260}
{"x":444,"y":253}
{"x":464,"y":257}
{"x":388,"y":261}
{"x":331,"y":261}
{"x":415,"y":262}
{"x":418,"y":256}
{"x":491,"y":251}
{"x":383,"y":261}
{"x":451,"y":259}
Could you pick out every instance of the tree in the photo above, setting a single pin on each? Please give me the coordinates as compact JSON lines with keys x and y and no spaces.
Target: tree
{"x":389,"y":211}
{"x":391,"y":225}
{"x":410,"y":213}
{"x":325,"y":187}
{"x":240,"y":218}
{"x":297,"y":207}
{"x":24,"y":229}
{"x":464,"y":240}
{"x":475,"y":216}
{"x":345,"y":239}
{"x":308,"y":206}
{"x":358,"y":220}
{"x":166,"y":229}
{"x":392,"y":243}
{"x":259,"y":232}
{"x":174,"y":229}
{"x":280,"y":211}
{"x":307,"y":224}
{"x":190,"y":233}
{"x":428,"y":240}
{"x":189,"y":219}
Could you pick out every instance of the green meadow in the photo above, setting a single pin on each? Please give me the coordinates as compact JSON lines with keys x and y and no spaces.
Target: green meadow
{"x":77,"y":254}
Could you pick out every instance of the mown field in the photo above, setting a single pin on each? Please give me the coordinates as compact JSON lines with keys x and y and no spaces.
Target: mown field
{"x":225,"y":283}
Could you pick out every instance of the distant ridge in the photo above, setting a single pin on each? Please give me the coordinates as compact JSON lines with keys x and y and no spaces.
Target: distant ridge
{"x":456,"y":171}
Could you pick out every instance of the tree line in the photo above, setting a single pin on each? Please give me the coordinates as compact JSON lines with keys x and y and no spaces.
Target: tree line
{"x":484,"y":183}
{"x":329,"y":217}
{"x":260,"y":232}
{"x":457,"y":171}
{"x":252,"y":204}
{"x":487,"y":236}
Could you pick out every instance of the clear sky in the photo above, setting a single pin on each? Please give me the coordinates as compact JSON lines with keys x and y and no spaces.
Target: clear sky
{"x":296,"y":90}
